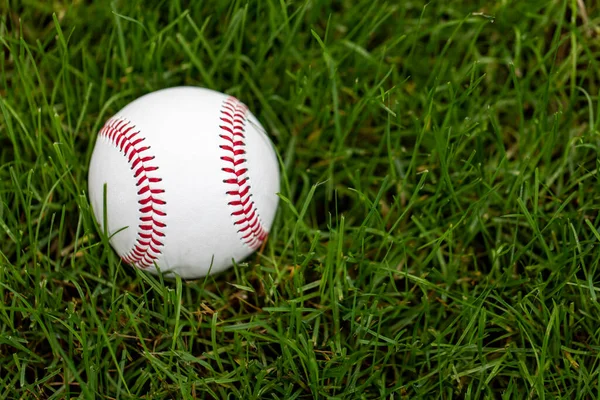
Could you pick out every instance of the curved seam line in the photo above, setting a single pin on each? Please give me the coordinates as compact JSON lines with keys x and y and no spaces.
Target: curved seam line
{"x":146,"y":248}
{"x":244,"y":212}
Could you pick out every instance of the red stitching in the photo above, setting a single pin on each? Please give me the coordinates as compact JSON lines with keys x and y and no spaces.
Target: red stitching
{"x":244,"y":214}
{"x":147,"y":245}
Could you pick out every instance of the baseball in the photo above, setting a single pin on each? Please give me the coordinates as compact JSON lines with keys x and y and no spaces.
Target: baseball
{"x":185,"y":179}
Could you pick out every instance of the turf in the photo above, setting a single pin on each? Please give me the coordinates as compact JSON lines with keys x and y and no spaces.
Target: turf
{"x":438,"y":229}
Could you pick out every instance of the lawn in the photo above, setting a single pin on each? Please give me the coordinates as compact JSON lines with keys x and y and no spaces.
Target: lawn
{"x":438,"y":228}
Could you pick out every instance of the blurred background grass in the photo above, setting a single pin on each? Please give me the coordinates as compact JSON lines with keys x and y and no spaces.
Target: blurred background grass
{"x":437,"y":234}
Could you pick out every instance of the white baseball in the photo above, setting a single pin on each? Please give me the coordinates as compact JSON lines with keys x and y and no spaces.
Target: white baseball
{"x":191,"y":181}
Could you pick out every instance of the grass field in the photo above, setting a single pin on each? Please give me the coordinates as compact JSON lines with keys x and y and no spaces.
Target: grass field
{"x":438,"y":228}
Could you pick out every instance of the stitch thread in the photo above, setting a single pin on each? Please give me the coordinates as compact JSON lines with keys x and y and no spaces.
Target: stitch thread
{"x":245,"y":216}
{"x":122,"y":134}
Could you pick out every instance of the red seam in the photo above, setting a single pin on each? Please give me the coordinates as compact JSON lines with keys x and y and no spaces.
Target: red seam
{"x":245,"y":216}
{"x":146,"y":248}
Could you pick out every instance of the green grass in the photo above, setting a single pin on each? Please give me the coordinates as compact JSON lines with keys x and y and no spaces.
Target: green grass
{"x":438,"y":231}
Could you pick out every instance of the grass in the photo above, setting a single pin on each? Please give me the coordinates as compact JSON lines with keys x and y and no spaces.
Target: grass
{"x":437,"y":235}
